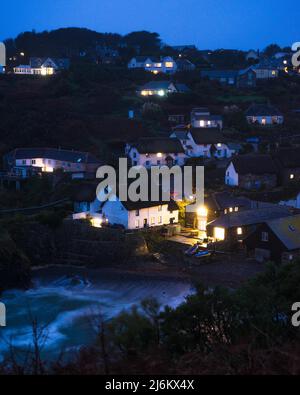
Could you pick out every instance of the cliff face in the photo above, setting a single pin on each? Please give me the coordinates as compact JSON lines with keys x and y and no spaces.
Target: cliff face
{"x":74,"y":243}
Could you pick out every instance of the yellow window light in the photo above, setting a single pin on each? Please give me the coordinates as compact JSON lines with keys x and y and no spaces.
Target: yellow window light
{"x":219,"y":234}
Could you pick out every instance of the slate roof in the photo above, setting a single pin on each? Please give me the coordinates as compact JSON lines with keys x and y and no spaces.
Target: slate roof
{"x":251,"y":217}
{"x":225,"y":200}
{"x":180,"y":134}
{"x":254,"y":164}
{"x":217,"y":74}
{"x":53,"y":153}
{"x":130,"y":206}
{"x":149,"y":145}
{"x":207,"y":136}
{"x":287,"y":230}
{"x":61,"y":63}
{"x":262,"y":110}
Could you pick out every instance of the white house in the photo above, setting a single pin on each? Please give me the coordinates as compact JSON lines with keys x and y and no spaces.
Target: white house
{"x":150,"y":152}
{"x":162,"y":88}
{"x":205,"y":143}
{"x":202,"y":118}
{"x":140,"y":215}
{"x":264,"y":115}
{"x":21,"y":161}
{"x":130,"y":215}
{"x":265,"y":72}
{"x":42,"y":66}
{"x":166,"y":65}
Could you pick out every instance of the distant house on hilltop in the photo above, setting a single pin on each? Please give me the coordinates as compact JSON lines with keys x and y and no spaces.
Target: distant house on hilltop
{"x":155,"y":65}
{"x":202,"y":118}
{"x":22,"y":161}
{"x":162,"y":88}
{"x":238,"y":78}
{"x":43,"y":66}
{"x":264,"y":115}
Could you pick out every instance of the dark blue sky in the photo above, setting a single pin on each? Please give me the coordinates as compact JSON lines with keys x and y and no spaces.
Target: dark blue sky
{"x":209,"y":24}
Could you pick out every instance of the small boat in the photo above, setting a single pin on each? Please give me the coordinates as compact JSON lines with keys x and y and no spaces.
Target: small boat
{"x":192,"y":250}
{"x":203,"y":254}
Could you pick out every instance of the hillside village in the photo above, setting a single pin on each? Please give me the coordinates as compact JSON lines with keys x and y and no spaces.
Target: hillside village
{"x":236,"y":113}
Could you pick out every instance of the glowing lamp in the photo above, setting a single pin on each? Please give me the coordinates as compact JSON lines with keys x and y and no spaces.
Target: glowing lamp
{"x":202,"y":211}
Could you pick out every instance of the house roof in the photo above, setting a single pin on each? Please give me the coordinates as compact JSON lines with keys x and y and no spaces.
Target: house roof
{"x":207,"y":136}
{"x":55,"y":154}
{"x":219,"y":73}
{"x":130,"y":206}
{"x":287,"y":230}
{"x":225,"y":200}
{"x":225,"y":73}
{"x":254,"y":164}
{"x":149,"y":145}
{"x":61,"y":63}
{"x":180,"y":134}
{"x":208,"y":117}
{"x":251,"y":217}
{"x":156,"y":85}
{"x":262,"y":110}
{"x":288,"y":157}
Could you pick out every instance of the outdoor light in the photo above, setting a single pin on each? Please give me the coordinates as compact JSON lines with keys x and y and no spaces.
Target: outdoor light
{"x":161,"y":93}
{"x":219,"y":234}
{"x":159,"y":155}
{"x":202,"y":211}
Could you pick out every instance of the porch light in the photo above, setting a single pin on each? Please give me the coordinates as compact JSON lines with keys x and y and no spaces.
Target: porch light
{"x":202,"y":211}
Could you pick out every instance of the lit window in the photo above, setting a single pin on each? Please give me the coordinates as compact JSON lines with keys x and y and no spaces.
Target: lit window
{"x":231,"y":210}
{"x":292,"y":176}
{"x":219,"y":234}
{"x":264,"y":121}
{"x":169,"y":64}
{"x":159,"y":155}
{"x":239,"y":231}
{"x":236,"y":209}
{"x":265,"y":236}
{"x":202,"y":124}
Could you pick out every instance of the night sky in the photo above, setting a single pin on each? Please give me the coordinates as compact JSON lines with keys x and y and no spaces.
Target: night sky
{"x":209,"y":24}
